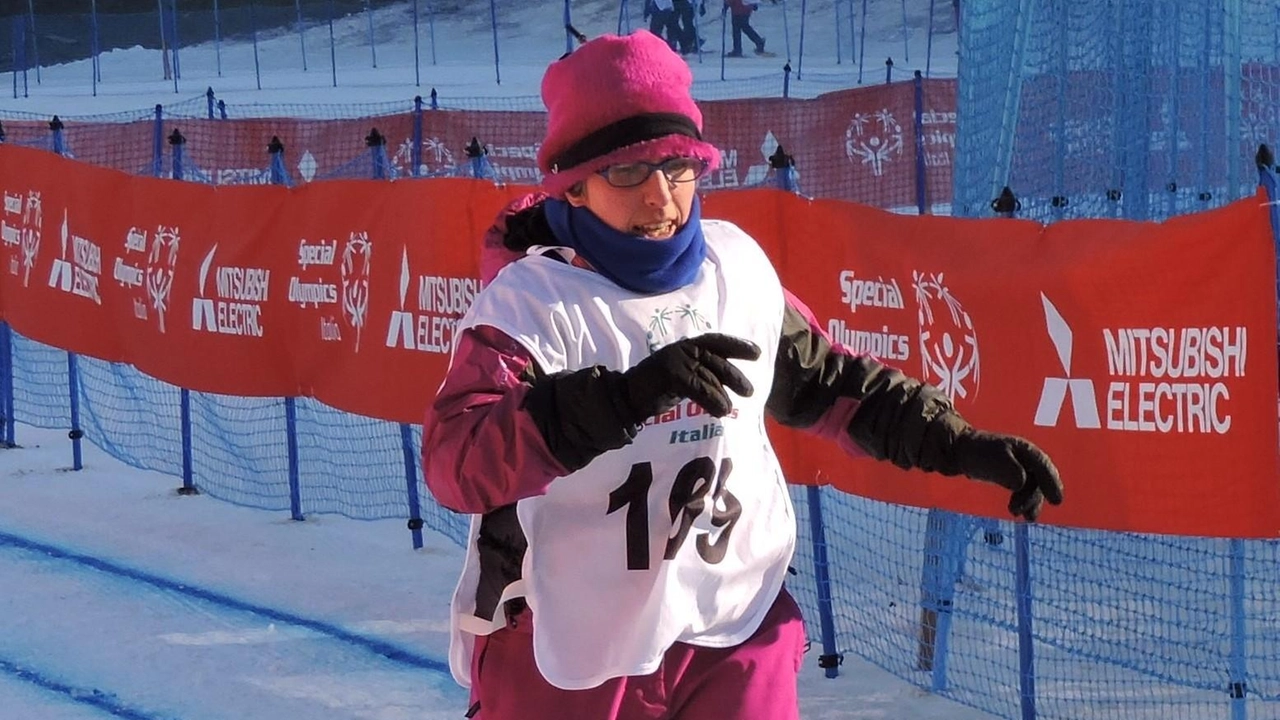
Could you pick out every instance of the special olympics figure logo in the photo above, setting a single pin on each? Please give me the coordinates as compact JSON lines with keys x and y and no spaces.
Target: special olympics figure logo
{"x":356,"y":257}
{"x":948,"y":341}
{"x":32,"y":221}
{"x":161,"y":260}
{"x":874,"y":138}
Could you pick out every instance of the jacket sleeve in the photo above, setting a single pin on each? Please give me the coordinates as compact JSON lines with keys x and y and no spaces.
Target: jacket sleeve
{"x":480,"y":449}
{"x":868,"y":408}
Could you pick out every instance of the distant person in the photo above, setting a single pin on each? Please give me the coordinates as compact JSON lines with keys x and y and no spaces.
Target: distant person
{"x":687,"y":26}
{"x":740,"y":15}
{"x":663,"y":21}
{"x":603,"y":421}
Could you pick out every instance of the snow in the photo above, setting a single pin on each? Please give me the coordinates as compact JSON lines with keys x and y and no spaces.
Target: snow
{"x":122,"y":594}
{"x":123,"y":598}
{"x":131,"y":79}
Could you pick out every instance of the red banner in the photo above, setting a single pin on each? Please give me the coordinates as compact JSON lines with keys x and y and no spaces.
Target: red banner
{"x":1122,"y":348}
{"x":858,"y":144}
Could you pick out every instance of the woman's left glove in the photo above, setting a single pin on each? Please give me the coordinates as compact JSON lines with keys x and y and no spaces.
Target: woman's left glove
{"x":1013,"y":463}
{"x":913,"y":425}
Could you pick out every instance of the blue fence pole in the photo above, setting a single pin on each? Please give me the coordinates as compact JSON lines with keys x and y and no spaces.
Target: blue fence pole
{"x":836,"y":24}
{"x":164,"y":40}
{"x":786,"y":80}
{"x":1267,"y":179}
{"x":177,"y":44}
{"x":217,"y":37}
{"x":373,"y":45}
{"x":291,"y":438}
{"x":157,"y":143}
{"x":1175,"y":108}
{"x":568,"y":22}
{"x":73,"y":386}
{"x":830,"y":659}
{"x":177,"y":145}
{"x":922,"y":201}
{"x":57,"y":142}
{"x":35,"y":38}
{"x":8,"y":416}
{"x":411,"y":483}
{"x":15,"y":36}
{"x":333,"y":54}
{"x":906,"y":35}
{"x":853,"y":27}
{"x":417,"y":75}
{"x":862,"y":42}
{"x":724,"y":33}
{"x":184,"y":420}
{"x":415,"y":154}
{"x":928,"y":48}
{"x":946,"y":543}
{"x":1060,"y":201}
{"x":1232,"y":62}
{"x":431,"y":31}
{"x":1026,"y":647}
{"x":804,"y":14}
{"x":1238,"y":670}
{"x":302,"y":40}
{"x":786,"y":30}
{"x":1204,"y":73}
{"x":93,"y":47}
{"x":253,"y":30}
{"x":493,"y":20}
{"x":888,"y":70}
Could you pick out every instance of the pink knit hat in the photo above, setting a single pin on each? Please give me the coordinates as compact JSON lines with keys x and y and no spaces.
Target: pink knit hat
{"x":618,"y":99}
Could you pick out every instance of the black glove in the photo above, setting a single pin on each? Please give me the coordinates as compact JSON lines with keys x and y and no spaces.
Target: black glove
{"x":702,"y":9}
{"x":584,"y":413}
{"x":1012,"y":463}
{"x":696,"y":368}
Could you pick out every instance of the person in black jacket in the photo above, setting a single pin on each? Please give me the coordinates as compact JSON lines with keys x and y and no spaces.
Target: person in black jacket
{"x":603,"y":415}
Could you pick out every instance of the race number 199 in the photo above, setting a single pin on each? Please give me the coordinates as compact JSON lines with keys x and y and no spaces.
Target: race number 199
{"x":694,"y":482}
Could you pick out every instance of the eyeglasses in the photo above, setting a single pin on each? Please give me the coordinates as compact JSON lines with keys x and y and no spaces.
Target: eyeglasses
{"x":676,"y":170}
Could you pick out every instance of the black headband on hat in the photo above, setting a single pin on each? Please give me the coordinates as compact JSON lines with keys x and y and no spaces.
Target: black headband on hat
{"x":627,"y":131}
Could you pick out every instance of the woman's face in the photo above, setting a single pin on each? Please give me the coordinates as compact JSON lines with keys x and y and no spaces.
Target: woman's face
{"x":654,"y":209}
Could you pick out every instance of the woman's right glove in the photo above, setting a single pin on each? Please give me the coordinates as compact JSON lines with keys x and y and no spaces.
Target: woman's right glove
{"x":697,"y":369}
{"x":584,"y":413}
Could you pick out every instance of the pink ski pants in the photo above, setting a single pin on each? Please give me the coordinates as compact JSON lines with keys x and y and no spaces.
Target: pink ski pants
{"x":752,"y":681}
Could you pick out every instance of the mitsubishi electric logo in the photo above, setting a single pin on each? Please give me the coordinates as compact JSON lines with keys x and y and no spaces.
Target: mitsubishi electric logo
{"x":239,"y":294}
{"x":79,"y":273}
{"x":1083,"y":400}
{"x":441,"y":303}
{"x":1164,"y":379}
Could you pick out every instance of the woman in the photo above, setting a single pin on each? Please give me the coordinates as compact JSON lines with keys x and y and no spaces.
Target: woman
{"x":603,"y":422}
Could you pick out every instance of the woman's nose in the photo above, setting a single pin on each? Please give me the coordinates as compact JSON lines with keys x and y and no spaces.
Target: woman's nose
{"x":657,"y":189}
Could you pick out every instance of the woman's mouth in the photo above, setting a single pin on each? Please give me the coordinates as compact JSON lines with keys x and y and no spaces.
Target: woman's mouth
{"x":656,"y":231}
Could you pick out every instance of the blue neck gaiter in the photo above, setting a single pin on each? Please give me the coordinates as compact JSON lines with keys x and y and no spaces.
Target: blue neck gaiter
{"x":638,"y":264}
